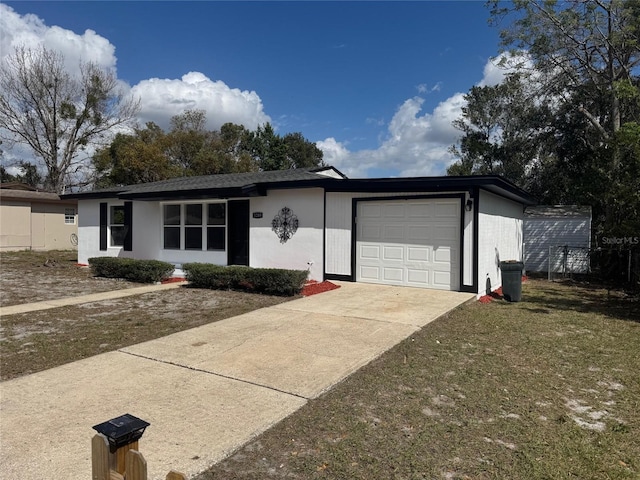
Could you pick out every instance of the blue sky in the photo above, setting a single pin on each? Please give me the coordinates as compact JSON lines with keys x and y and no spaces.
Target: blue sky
{"x":375,"y":84}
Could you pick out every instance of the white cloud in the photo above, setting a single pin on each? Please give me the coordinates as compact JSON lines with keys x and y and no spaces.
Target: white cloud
{"x":163,"y":98}
{"x":31,"y":31}
{"x":416,"y":142}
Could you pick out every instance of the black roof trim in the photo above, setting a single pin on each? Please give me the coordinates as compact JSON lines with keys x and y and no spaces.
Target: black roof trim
{"x":491,"y":183}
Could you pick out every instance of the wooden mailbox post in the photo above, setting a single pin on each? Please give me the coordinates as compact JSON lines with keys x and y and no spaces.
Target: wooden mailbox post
{"x":114,"y":451}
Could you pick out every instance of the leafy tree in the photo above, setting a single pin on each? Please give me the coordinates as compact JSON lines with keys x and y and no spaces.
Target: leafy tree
{"x":273,"y":152}
{"x":137,"y":158}
{"x":268,"y":149}
{"x":56,"y":114}
{"x":188,"y":139}
{"x":578,"y":43}
{"x":504,"y":131}
{"x":302,"y":153}
{"x":189,"y":149}
{"x":569,"y":125}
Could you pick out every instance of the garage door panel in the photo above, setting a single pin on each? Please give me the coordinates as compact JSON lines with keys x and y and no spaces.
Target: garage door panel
{"x":418,"y":254}
{"x":444,"y":233}
{"x":393,"y":233}
{"x":442,"y":254}
{"x":418,"y":234}
{"x":422,"y":211}
{"x":393,"y":211}
{"x":370,"y":251}
{"x":393,"y":275}
{"x":418,"y":277}
{"x":371,"y":210}
{"x":371,"y":233}
{"x":447,"y":209}
{"x":370,"y":273}
{"x":393,"y":253}
{"x":441,"y":279}
{"x":413,"y":243}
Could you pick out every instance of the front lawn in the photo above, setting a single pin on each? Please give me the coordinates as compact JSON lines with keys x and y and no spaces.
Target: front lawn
{"x":545,"y":388}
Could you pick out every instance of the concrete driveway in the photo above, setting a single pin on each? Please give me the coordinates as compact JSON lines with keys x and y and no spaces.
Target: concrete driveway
{"x":208,"y":390}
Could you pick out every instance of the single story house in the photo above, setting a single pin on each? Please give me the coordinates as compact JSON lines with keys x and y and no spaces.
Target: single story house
{"x":564,"y":231}
{"x":434,"y":232}
{"x":33,"y":220}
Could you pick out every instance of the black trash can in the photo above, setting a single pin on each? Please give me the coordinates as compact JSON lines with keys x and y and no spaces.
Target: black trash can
{"x":512,"y":280}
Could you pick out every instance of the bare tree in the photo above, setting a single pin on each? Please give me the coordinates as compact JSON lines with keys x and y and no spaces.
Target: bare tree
{"x":58,"y":115}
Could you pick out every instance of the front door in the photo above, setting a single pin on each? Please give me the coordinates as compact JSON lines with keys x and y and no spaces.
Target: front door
{"x":238,"y":218}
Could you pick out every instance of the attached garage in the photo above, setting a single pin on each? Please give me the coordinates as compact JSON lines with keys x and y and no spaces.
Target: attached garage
{"x":412,"y":242}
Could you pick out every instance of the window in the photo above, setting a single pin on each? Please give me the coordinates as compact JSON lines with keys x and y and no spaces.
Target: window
{"x":216,"y":231}
{"x":70,"y":216}
{"x":172,"y":227}
{"x":193,"y":233}
{"x":116,"y":225}
{"x":184,"y":226}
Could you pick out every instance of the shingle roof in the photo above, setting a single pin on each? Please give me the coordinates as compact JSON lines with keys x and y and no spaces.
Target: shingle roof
{"x":231,"y":184}
{"x":230,"y":180}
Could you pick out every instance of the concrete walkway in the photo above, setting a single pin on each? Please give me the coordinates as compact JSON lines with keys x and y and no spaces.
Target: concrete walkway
{"x":92,"y":297}
{"x":208,"y":390}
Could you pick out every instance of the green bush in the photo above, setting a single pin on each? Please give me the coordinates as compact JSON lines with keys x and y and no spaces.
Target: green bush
{"x":270,"y":281}
{"x":142,"y":271}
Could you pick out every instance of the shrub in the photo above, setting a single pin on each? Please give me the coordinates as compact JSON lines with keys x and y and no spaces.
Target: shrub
{"x":270,"y":281}
{"x":142,"y":271}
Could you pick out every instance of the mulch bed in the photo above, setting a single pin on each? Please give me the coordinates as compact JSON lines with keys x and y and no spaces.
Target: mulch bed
{"x":313,"y":287}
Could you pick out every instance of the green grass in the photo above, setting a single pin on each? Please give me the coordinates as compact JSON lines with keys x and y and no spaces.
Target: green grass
{"x":548,"y":388}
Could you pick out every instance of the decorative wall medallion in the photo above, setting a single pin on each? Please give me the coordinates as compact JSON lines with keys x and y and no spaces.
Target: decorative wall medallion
{"x":285,"y":224}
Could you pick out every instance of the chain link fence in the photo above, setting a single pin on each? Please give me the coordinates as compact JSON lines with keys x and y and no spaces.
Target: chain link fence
{"x":615,"y":267}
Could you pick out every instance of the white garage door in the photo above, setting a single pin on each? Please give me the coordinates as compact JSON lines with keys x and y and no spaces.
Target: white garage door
{"x":409,"y":242}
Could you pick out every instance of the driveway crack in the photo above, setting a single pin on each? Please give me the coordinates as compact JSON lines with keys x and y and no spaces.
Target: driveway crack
{"x":228,"y":377}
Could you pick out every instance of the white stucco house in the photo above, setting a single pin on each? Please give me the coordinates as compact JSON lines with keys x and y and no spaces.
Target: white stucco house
{"x":433,"y":232}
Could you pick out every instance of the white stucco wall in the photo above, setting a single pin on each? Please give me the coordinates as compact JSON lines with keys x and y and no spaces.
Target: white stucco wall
{"x":89,"y":231}
{"x":500,"y":237}
{"x":304,"y":250}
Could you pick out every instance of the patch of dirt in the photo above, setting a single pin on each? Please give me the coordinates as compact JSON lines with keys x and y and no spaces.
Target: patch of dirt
{"x":29,"y":276}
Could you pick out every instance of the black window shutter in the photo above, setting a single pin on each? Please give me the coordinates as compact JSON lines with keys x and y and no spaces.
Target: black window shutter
{"x":128,"y":226}
{"x":103,"y":226}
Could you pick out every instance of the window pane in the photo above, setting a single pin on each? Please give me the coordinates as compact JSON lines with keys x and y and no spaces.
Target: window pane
{"x":70,"y":215}
{"x":172,"y":214}
{"x":172,"y":237}
{"x":194,"y":214}
{"x":216,"y":214}
{"x":193,"y":238}
{"x":216,"y":238}
{"x":117,"y":236}
{"x":117,"y":215}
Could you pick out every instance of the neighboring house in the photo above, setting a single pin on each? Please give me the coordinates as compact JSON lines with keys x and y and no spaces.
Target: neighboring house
{"x":563,"y":230}
{"x":33,"y":220}
{"x":434,"y":232}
